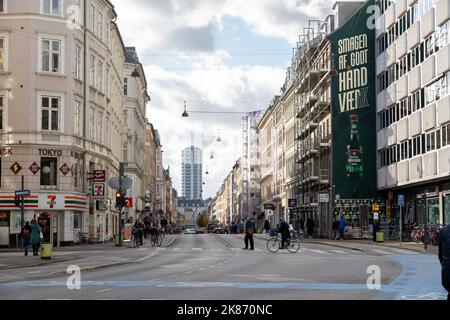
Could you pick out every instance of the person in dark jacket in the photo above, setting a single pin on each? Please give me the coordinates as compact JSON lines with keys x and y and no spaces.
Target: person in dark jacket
{"x":267,"y":226}
{"x":302,"y":225}
{"x":444,"y":258}
{"x":249,"y":229}
{"x":310,"y":226}
{"x":25,"y":233}
{"x":335,"y":229}
{"x":285,"y":233}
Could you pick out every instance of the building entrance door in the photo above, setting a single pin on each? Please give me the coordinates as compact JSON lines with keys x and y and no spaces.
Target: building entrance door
{"x":4,"y":228}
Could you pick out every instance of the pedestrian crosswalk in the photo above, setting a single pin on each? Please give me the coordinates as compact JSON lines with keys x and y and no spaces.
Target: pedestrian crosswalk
{"x":303,"y":250}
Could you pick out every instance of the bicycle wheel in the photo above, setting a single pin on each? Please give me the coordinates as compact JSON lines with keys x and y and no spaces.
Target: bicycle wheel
{"x":159,"y":241}
{"x":293,"y":245}
{"x":273,"y":245}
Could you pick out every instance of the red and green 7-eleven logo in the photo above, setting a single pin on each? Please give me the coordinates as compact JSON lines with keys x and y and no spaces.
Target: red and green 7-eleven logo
{"x":51,"y":201}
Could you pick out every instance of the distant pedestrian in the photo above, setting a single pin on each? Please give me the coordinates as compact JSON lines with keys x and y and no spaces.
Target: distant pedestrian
{"x":341,"y":228}
{"x":267,"y":226}
{"x":139,"y":230}
{"x":285,"y":232}
{"x":335,"y":228}
{"x":444,"y":258}
{"x":302,"y":226}
{"x":249,"y":229}
{"x":310,"y":224}
{"x":25,"y":233}
{"x":36,"y":232}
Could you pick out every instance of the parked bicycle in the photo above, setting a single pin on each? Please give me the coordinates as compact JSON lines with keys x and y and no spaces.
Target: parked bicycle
{"x":274,"y":243}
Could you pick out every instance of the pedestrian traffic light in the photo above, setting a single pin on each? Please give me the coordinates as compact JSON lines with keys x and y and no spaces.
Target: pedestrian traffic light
{"x":17,"y":201}
{"x":120,"y":199}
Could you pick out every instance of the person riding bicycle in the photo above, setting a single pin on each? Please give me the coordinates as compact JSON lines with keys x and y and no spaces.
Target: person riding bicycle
{"x":138,"y":229}
{"x":285,"y":233}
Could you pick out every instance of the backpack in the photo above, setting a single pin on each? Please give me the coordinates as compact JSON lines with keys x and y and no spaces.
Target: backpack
{"x":25,"y":233}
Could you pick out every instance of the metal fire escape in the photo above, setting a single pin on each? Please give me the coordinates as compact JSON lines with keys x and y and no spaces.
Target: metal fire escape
{"x":313,"y":105}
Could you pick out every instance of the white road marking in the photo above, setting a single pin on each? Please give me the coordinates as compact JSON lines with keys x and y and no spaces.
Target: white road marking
{"x":176,"y":249}
{"x":189,"y":272}
{"x":147,"y":256}
{"x":383,"y":252}
{"x":318,"y":251}
{"x":141,"y":249}
{"x":35,"y":272}
{"x":197,"y":249}
{"x":258,"y":250}
{"x":235,"y":249}
{"x":173,"y":276}
{"x":202,"y":269}
{"x":104,"y":290}
{"x":402,"y":251}
{"x":339,"y":251}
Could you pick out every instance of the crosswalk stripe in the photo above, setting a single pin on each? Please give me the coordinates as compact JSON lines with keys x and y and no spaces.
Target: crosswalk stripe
{"x":235,"y":249}
{"x":382,"y":251}
{"x":197,"y":249}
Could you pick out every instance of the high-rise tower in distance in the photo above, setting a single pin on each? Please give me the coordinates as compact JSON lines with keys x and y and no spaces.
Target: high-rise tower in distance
{"x":191,"y":173}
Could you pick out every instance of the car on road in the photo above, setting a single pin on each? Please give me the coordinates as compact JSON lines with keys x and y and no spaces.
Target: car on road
{"x":189,"y":231}
{"x":200,"y":231}
{"x":218,"y":230}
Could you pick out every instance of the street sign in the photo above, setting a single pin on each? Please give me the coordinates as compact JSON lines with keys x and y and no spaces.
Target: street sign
{"x":324,"y":197}
{"x":270,"y":206}
{"x":292,"y":203}
{"x":98,"y":189}
{"x":401,"y":200}
{"x":375,"y":207}
{"x":128,"y":202}
{"x":99,"y":175}
{"x":22,"y":193}
{"x":127,"y":183}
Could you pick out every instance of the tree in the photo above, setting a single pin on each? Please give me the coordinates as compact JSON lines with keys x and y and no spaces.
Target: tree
{"x":202,"y":220}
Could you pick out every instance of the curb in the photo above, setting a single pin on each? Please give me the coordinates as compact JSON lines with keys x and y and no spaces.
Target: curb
{"x":8,"y":267}
{"x":335,"y":245}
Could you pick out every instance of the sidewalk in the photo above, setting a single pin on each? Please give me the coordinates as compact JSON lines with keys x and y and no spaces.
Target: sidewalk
{"x":15,"y":258}
{"x":363,"y":245}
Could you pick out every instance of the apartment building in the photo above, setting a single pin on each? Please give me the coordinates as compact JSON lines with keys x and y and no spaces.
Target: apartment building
{"x":413,"y":109}
{"x":61,"y":115}
{"x":135,"y":101}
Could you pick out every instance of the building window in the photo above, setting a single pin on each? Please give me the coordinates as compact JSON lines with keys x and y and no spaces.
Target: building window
{"x":92,"y":70}
{"x":52,"y":7}
{"x":125,"y":86}
{"x":76,"y":221}
{"x":431,"y":141}
{"x":445,"y":135}
{"x":100,"y":76}
{"x":49,"y":171}
{"x":2,"y":6}
{"x":51,"y":55}
{"x":50,"y":112}
{"x":92,"y":124}
{"x":100,"y":127}
{"x":125,"y":152}
{"x":78,"y":61}
{"x":77,"y":118}
{"x":107,"y":133}
{"x":100,"y":25}
{"x":92,"y":19}
{"x":3,"y":52}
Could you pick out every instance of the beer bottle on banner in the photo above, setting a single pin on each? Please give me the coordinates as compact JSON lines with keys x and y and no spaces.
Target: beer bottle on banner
{"x":354,"y":165}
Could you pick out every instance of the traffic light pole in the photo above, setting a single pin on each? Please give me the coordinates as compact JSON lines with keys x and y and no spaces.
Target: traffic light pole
{"x":22,"y":204}
{"x":121,"y":174}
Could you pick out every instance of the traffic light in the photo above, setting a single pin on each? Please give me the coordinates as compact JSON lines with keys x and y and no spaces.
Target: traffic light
{"x":17,"y":201}
{"x":120,"y":199}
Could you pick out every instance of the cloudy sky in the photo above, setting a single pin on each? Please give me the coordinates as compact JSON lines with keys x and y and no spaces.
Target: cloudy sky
{"x":218,"y":55}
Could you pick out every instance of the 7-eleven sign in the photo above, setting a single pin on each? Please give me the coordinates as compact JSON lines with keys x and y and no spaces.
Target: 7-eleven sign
{"x":98,"y":189}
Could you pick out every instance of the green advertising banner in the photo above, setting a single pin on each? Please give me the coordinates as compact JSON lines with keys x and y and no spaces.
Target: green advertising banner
{"x":354,"y":107}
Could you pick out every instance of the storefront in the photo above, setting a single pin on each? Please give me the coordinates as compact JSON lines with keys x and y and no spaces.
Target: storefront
{"x":60,"y":215}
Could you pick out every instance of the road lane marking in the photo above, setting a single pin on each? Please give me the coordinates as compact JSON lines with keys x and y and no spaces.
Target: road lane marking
{"x":197,"y":249}
{"x":339,"y":251}
{"x":173,"y":276}
{"x":104,"y":290}
{"x":202,"y":269}
{"x":236,"y":249}
{"x":383,"y":252}
{"x":402,"y":251}
{"x":35,"y":272}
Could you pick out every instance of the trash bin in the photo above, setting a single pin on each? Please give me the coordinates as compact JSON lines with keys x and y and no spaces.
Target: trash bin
{"x":380,"y":236}
{"x":118,"y":240}
{"x":46,"y":250}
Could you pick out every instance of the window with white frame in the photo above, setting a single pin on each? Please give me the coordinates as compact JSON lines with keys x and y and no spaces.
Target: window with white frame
{"x":77,"y":118}
{"x":100,"y":126}
{"x":107,"y":133}
{"x":92,"y":124}
{"x":92,"y":18}
{"x":445,"y":135}
{"x":431,"y":141}
{"x":107,"y":84}
{"x":51,"y":55}
{"x":51,"y":7}
{"x":3,"y":52}
{"x":92,"y":70}
{"x":443,"y":34}
{"x":50,"y":112}
{"x":78,"y":61}
{"x":100,"y":25}
{"x":100,"y":76}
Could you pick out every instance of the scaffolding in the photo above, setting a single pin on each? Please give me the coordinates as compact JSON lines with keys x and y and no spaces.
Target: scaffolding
{"x":313,"y":125}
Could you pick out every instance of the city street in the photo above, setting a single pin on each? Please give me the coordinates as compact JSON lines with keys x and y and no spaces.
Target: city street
{"x":210,"y":266}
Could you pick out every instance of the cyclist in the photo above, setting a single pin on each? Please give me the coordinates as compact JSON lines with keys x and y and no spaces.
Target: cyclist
{"x":285,"y":233}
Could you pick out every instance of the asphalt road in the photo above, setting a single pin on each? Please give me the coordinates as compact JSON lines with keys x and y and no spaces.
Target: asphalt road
{"x":215,"y":267}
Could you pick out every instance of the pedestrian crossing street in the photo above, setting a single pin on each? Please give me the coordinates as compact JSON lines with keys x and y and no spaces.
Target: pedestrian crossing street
{"x":303,"y":250}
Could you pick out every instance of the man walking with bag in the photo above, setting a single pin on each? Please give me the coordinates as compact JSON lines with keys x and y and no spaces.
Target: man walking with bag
{"x":26,"y":233}
{"x":249,"y":230}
